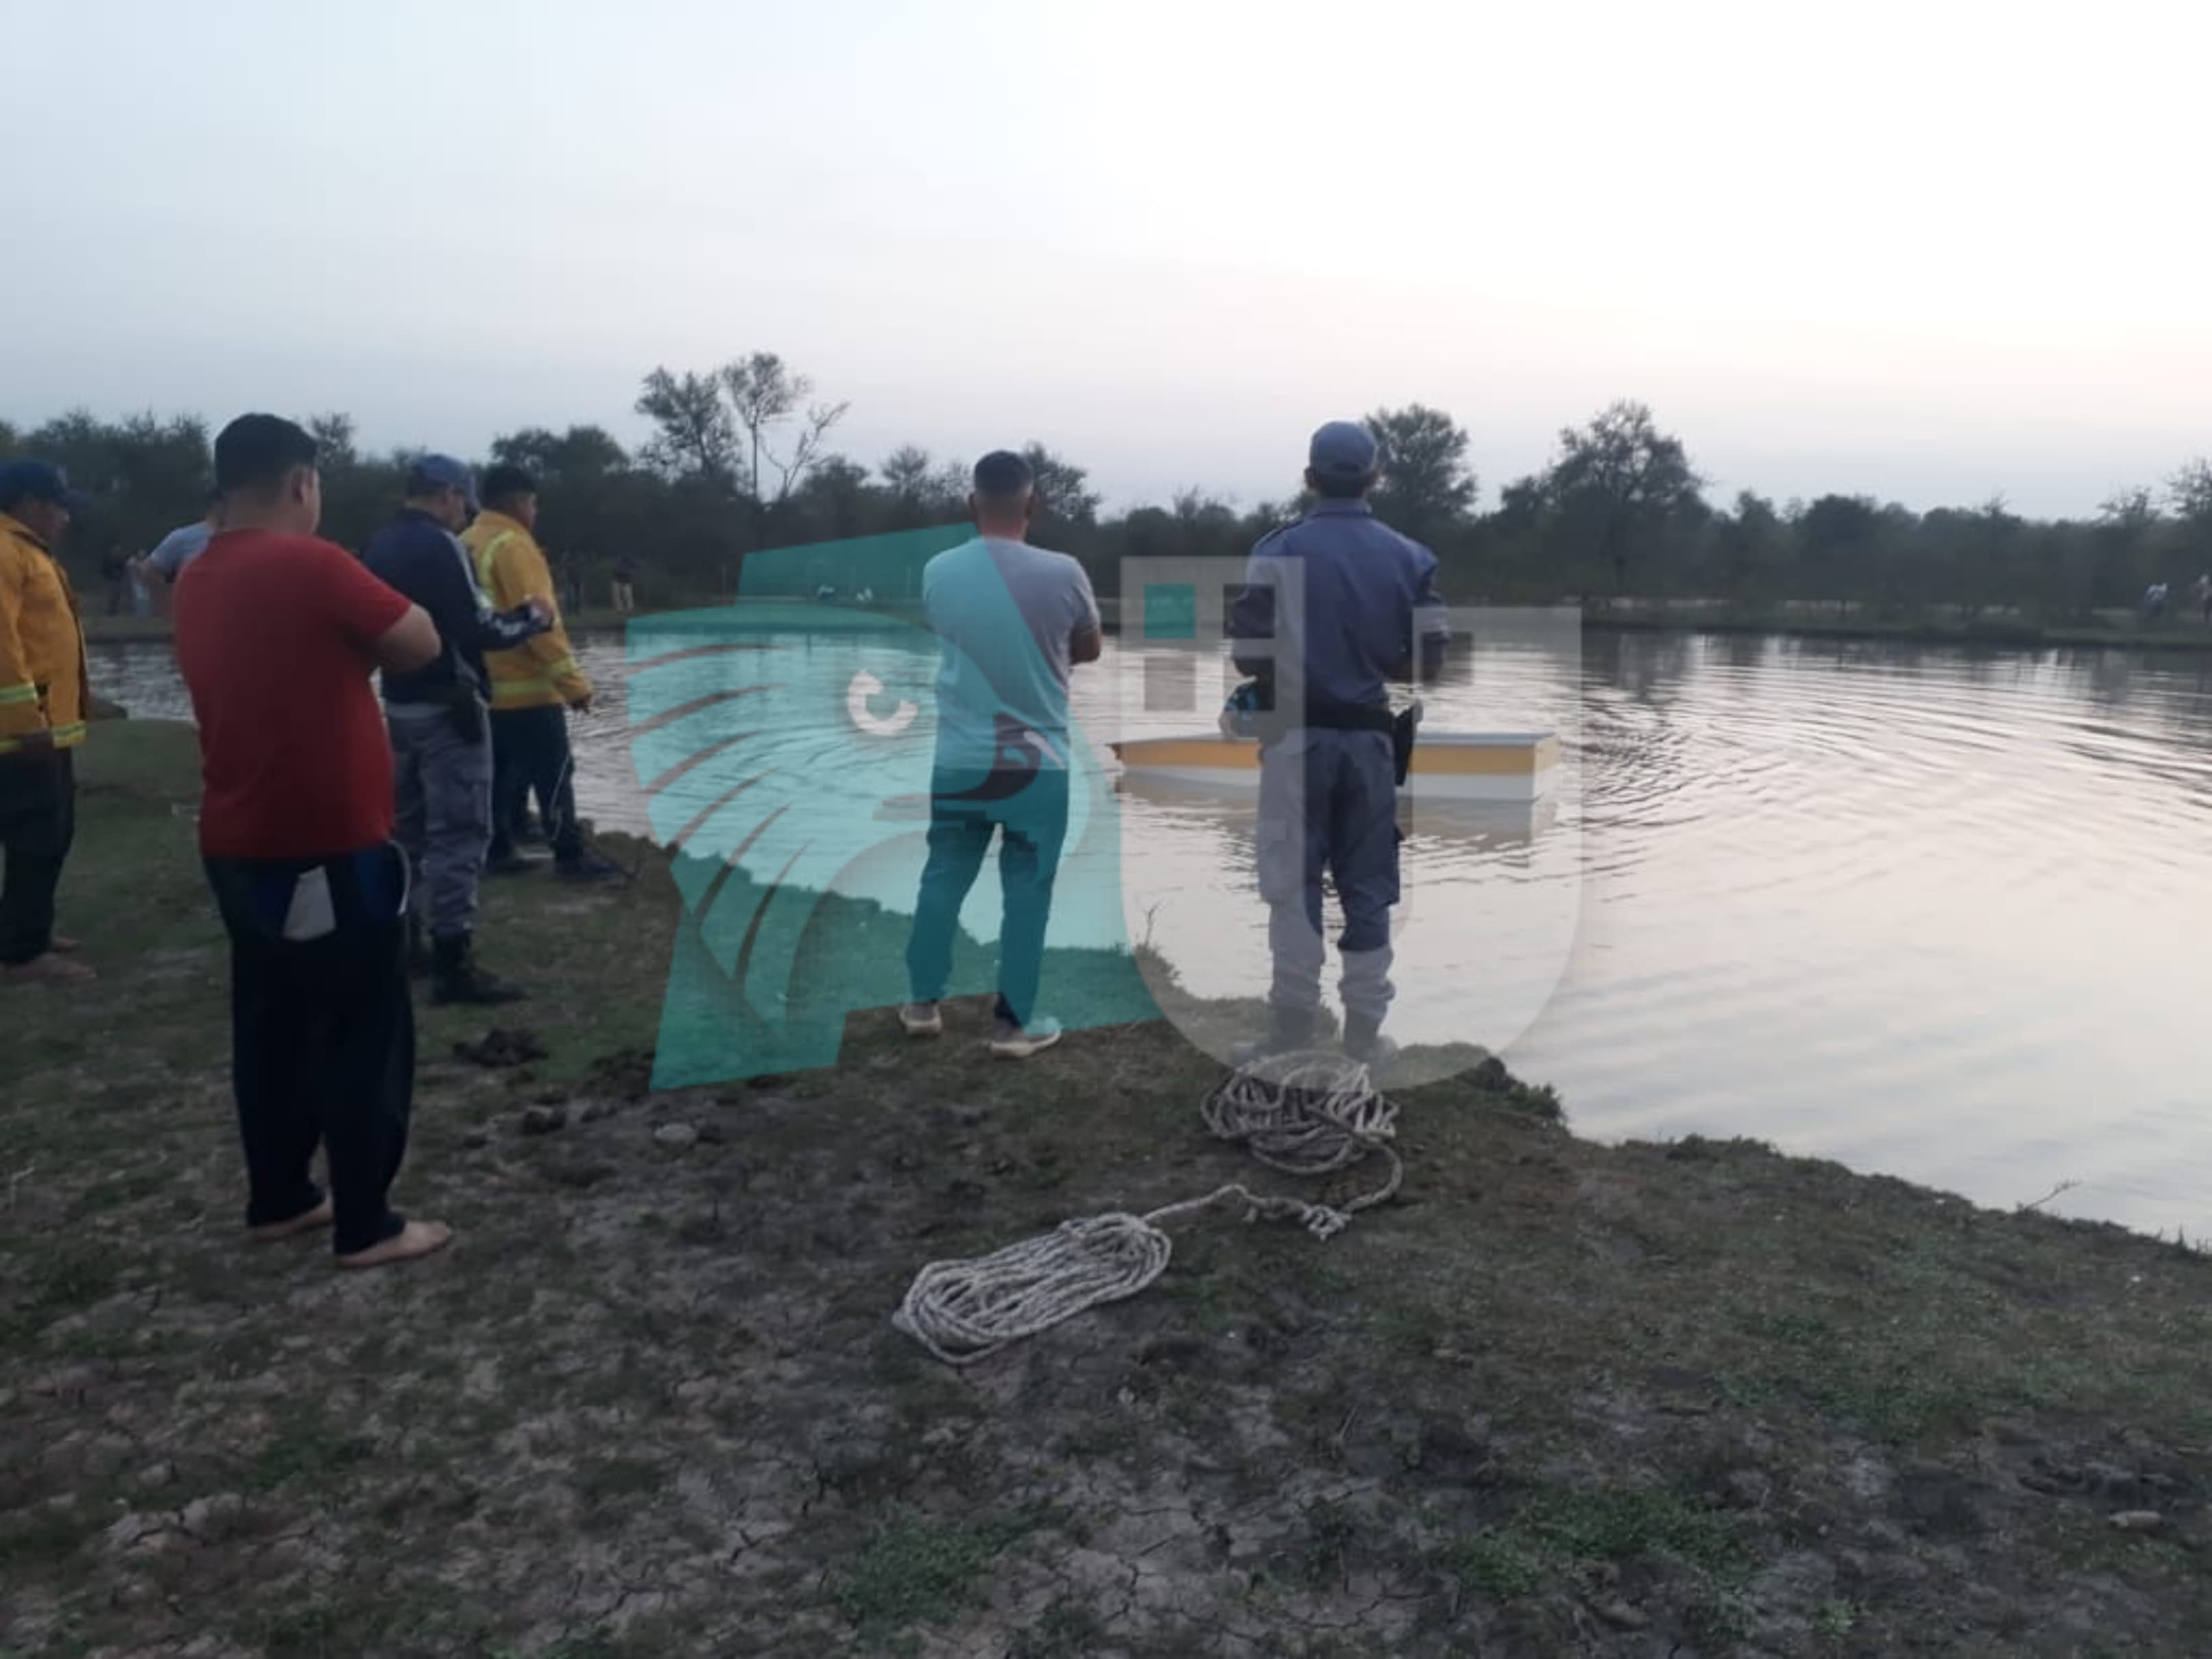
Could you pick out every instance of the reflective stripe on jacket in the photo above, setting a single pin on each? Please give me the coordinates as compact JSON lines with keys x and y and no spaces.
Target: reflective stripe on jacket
{"x":543,"y":672}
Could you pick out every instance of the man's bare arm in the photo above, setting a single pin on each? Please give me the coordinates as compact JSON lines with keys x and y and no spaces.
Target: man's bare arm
{"x":1086,"y":644}
{"x":411,"y":643}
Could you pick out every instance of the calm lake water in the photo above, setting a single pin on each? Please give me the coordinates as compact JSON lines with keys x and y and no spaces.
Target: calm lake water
{"x":1935,"y":913}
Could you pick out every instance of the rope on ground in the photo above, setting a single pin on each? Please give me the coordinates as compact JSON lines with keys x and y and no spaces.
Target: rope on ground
{"x":1309,"y":1114}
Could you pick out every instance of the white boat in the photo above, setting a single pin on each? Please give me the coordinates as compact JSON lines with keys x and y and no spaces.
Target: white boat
{"x":1495,"y":766}
{"x":1427,"y":816}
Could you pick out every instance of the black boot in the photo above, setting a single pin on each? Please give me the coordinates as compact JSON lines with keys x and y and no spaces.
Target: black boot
{"x":505,"y":861}
{"x":1363,"y":1041}
{"x":589,"y":868}
{"x":1288,"y":1028}
{"x":457,"y":978}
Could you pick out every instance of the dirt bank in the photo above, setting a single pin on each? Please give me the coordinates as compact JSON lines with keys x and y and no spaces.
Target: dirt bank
{"x":1558,"y":1398}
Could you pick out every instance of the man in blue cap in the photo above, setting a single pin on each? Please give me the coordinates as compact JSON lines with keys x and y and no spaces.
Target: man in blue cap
{"x":440,"y":717}
{"x":1334,"y":607}
{"x":44,"y":700}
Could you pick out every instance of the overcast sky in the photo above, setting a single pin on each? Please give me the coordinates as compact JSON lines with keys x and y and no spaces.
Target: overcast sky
{"x":1931,"y":252}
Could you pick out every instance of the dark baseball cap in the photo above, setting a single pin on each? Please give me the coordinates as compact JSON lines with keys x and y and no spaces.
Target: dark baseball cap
{"x":1344,"y":449}
{"x":38,"y":480}
{"x":441,"y":472}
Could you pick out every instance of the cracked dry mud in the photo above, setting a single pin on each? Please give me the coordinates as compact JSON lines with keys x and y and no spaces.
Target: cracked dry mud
{"x":1559,"y":1399}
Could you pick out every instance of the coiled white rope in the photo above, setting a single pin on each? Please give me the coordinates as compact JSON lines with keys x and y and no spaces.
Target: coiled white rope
{"x":1310,"y":1113}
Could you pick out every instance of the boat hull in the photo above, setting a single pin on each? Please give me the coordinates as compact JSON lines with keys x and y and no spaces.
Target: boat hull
{"x":1508,"y":766}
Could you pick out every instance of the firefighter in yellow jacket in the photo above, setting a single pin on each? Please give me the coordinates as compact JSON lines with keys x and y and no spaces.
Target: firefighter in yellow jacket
{"x":533,"y":687}
{"x":44,"y":700}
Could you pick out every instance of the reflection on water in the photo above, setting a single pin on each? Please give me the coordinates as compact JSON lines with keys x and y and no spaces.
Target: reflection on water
{"x":1928,"y":910}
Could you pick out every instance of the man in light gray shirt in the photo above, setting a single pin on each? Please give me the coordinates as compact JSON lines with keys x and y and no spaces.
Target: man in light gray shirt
{"x":1015,"y":620}
{"x":159,"y":568}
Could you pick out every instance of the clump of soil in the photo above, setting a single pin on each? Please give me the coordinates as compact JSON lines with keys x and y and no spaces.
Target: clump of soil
{"x":625,"y":1075}
{"x":501,"y":1047}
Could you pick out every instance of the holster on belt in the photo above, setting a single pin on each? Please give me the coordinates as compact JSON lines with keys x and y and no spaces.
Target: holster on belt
{"x":466,"y":711}
{"x":466,"y":715}
{"x":1372,"y":717}
{"x":1404,"y":725}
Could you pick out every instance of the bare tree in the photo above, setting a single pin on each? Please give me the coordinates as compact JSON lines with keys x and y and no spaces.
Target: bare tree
{"x":2190,"y":492}
{"x":333,"y":436}
{"x":694,"y":433}
{"x":906,"y":472}
{"x":1063,"y":489}
{"x":764,"y":394}
{"x":1621,"y":482}
{"x":1427,"y":486}
{"x":2131,"y":509}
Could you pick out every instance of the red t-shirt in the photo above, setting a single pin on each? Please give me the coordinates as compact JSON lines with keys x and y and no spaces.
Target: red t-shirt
{"x":273,"y":637}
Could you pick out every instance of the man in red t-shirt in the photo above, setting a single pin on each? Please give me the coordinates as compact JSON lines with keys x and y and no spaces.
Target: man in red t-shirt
{"x":277,"y":633}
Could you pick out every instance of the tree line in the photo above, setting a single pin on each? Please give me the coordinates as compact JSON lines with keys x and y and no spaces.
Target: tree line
{"x":742,"y":458}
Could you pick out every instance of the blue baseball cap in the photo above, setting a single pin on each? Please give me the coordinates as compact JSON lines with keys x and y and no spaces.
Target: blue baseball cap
{"x":38,"y":480}
{"x":441,"y":472}
{"x":1345,"y":449}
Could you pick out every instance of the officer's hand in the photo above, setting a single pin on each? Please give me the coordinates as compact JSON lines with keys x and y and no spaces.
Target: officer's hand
{"x":580,"y":705}
{"x":37,"y":746}
{"x":540,"y":611}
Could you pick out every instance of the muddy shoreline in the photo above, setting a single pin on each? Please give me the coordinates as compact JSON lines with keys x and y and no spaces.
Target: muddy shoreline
{"x":1558,"y":1398}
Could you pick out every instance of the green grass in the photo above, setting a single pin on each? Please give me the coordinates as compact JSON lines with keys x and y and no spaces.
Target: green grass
{"x":72,"y":1277}
{"x":918,"y":1568}
{"x":612,"y":1479}
{"x":1558,"y":1534}
{"x":307,"y":1453}
{"x":42,"y":1537}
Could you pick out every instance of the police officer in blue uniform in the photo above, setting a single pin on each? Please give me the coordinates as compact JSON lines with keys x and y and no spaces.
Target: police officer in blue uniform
{"x":1334,"y":607}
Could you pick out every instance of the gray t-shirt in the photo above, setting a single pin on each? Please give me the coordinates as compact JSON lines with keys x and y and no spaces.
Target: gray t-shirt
{"x":180,"y":548}
{"x":1007,"y":612}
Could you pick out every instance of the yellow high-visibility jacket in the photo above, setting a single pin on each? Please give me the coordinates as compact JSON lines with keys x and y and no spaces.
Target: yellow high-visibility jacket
{"x":541,"y":672}
{"x":42,"y":674}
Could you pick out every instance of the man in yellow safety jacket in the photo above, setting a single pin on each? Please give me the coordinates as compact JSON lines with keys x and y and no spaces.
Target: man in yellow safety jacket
{"x":533,"y":686}
{"x":43,"y":699}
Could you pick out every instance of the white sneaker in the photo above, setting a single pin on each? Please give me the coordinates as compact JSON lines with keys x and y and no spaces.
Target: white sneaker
{"x":922,"y":1019}
{"x":1011,"y":1042}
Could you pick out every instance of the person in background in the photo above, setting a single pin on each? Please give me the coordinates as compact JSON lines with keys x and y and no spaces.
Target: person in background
{"x":115,"y":575}
{"x":2204,"y":591}
{"x":1334,"y":607}
{"x":625,"y":573}
{"x":1014,"y":621}
{"x":533,"y":686}
{"x":441,"y":727}
{"x":161,"y":568}
{"x":44,"y":698}
{"x":277,"y":634}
